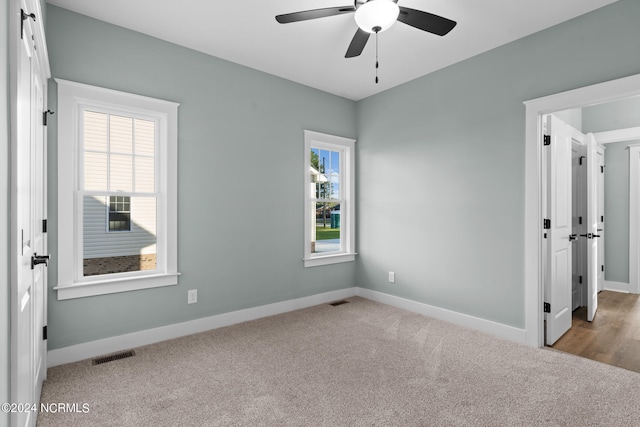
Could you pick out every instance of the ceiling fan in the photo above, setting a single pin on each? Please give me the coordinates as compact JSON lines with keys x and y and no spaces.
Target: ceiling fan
{"x":375,"y":16}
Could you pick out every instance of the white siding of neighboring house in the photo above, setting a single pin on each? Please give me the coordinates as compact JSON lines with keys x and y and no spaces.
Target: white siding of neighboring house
{"x":98,"y":242}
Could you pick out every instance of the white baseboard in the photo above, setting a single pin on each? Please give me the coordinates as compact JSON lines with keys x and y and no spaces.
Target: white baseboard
{"x":617,"y":286}
{"x":482,"y":325}
{"x":101,"y":347}
{"x":74,"y":353}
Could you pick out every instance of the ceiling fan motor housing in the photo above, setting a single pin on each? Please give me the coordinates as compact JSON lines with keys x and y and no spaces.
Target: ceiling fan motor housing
{"x":374,"y":16}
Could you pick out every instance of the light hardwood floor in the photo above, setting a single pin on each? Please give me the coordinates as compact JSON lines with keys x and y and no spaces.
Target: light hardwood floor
{"x":614,"y":335}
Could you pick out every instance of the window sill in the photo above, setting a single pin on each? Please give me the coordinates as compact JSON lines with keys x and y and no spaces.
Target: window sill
{"x":115,"y":285}
{"x":329,"y":259}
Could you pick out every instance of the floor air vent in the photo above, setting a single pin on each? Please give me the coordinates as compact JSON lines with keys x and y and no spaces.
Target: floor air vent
{"x":339,"y":303}
{"x":110,"y":358}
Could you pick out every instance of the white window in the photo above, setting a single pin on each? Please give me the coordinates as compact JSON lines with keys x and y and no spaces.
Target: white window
{"x":117,"y":191}
{"x":329,"y":208}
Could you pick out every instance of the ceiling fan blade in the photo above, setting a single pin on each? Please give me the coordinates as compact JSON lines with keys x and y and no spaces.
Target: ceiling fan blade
{"x":313,"y":14}
{"x":358,"y":43}
{"x":426,"y":21}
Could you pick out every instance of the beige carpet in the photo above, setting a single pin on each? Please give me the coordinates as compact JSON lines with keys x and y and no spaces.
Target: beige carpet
{"x":356,"y":364}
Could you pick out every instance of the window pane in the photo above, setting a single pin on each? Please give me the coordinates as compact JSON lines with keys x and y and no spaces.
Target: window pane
{"x":324,"y":161}
{"x":335,"y":163}
{"x":333,"y":187}
{"x":145,"y":138}
{"x":145,"y":175}
{"x":95,"y":131}
{"x":119,"y":234}
{"x":314,"y":158}
{"x":120,"y":173}
{"x":95,"y":171}
{"x":121,"y":134}
{"x":327,"y":228}
{"x":325,"y":174}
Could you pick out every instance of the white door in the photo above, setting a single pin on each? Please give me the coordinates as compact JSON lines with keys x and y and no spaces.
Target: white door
{"x":28,"y":188}
{"x":591,"y":234}
{"x":558,"y":283}
{"x":601,"y":232}
{"x":40,"y":247}
{"x":577,"y":199}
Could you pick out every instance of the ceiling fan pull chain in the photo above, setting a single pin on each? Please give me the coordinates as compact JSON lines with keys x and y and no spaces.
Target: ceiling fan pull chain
{"x":377,"y":55}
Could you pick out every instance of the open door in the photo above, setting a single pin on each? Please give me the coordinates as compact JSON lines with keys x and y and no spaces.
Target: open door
{"x":558,"y":230}
{"x":591,"y":234}
{"x":601,"y":231}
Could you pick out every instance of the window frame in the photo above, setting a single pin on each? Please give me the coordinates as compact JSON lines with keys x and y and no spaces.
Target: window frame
{"x":73,"y":99}
{"x":346,"y":148}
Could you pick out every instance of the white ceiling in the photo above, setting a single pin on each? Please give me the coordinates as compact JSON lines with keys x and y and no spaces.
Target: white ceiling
{"x":312,"y":52}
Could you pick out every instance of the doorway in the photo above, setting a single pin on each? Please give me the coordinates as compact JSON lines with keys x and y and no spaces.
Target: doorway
{"x":534,"y":206}
{"x":573,"y":203}
{"x":611,"y":337}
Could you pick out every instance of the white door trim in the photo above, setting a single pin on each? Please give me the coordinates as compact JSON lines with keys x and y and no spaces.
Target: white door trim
{"x":634,"y":219}
{"x":618,"y":135}
{"x":598,"y":93}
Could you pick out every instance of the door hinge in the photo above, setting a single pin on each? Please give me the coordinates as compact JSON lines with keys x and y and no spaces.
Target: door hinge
{"x":579,"y":220}
{"x":602,"y":267}
{"x":582,"y":157}
{"x":547,"y":140}
{"x":25,"y":16}
{"x":547,"y":307}
{"x":601,"y":169}
{"x":44,"y":225}
{"x":44,"y":116}
{"x":546,"y":224}
{"x":601,"y":218}
{"x":44,"y":332}
{"x":580,"y":279}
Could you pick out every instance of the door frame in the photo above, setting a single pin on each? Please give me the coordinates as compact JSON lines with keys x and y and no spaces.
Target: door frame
{"x":634,"y":219}
{"x":533,"y":236}
{"x":622,"y":135}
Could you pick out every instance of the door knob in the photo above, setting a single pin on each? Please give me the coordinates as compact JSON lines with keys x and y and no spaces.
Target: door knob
{"x":590,"y":235}
{"x":39,"y":259}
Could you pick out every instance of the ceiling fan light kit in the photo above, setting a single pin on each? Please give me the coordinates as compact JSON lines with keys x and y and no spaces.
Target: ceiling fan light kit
{"x":376,"y":16}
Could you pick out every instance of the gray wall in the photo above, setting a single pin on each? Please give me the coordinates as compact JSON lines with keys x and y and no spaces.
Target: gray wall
{"x":239,"y":182}
{"x":441,"y":164}
{"x":5,"y":308}
{"x":607,"y":117}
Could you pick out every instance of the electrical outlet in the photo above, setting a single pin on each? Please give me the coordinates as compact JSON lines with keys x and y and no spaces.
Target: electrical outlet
{"x":192,"y":296}
{"x":392,"y":277}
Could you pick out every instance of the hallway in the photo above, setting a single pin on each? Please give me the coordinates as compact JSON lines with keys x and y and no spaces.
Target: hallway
{"x":614,"y":335}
